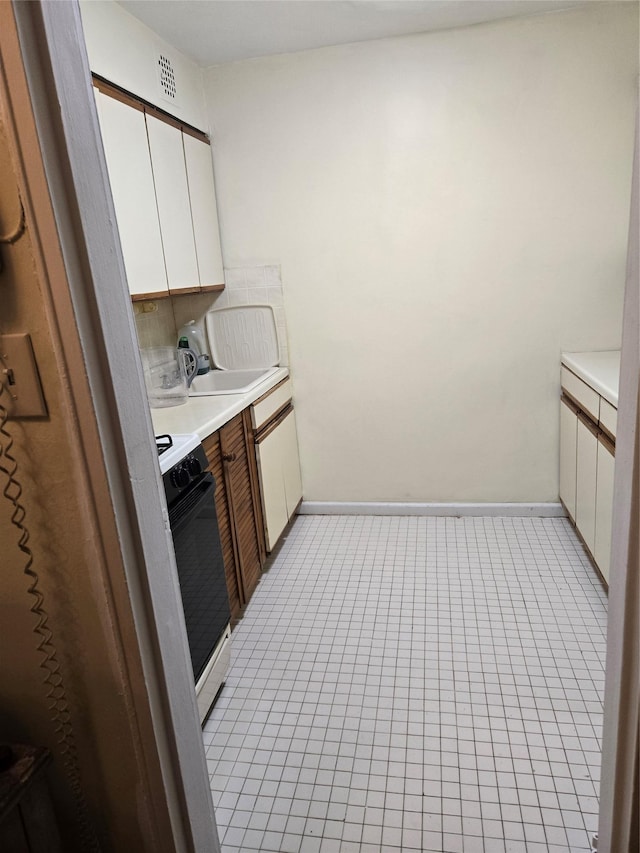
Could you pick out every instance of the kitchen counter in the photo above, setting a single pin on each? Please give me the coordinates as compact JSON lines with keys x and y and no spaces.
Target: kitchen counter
{"x":600,"y":370}
{"x":205,"y":415}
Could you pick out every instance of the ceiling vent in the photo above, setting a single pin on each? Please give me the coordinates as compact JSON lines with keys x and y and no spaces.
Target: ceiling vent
{"x":167,"y":79}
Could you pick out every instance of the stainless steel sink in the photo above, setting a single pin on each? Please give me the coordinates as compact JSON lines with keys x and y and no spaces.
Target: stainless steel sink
{"x":229,"y":381}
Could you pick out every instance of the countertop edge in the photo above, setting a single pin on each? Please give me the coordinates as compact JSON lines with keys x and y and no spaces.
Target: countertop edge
{"x":597,"y":376}
{"x":203,"y":415}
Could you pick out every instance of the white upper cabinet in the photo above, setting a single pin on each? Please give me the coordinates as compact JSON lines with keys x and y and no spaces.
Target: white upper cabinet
{"x":174,"y":209}
{"x":204,"y":213}
{"x":124,"y":137}
{"x":161,"y":176}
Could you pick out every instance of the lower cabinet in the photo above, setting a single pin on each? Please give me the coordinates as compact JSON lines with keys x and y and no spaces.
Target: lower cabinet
{"x":276,"y":451}
{"x":237,"y":503}
{"x":254,"y":459}
{"x":586,"y":482}
{"x":604,"y":505}
{"x":280,"y":482}
{"x":568,"y":455}
{"x":587,"y":461}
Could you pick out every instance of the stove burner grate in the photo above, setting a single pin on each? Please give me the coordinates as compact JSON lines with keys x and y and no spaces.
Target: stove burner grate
{"x":163,"y":442}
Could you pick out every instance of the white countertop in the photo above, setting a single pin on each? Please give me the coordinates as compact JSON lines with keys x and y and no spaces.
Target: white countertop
{"x":204,"y":415}
{"x":600,"y":370}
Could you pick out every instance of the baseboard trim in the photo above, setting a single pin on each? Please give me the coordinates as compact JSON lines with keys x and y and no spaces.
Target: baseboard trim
{"x":516,"y":510}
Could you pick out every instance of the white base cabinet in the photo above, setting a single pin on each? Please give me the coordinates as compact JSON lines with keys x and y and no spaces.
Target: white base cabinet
{"x":586,"y":483}
{"x":270,"y":453}
{"x":280,"y":481}
{"x":276,"y":441}
{"x":604,"y":505}
{"x":568,"y":456}
{"x":587,"y":462}
{"x":291,"y":465}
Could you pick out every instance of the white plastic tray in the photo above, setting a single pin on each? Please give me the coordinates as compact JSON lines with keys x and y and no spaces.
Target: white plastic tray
{"x":243,"y":337}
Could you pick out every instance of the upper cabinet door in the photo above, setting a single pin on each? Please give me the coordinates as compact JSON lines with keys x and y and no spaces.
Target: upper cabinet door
{"x":204,"y":213}
{"x":124,"y":137}
{"x":174,"y":210}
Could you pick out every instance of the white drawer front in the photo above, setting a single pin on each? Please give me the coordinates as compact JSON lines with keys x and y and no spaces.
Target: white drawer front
{"x":264,"y":409}
{"x":608,"y":417}
{"x":587,"y":398}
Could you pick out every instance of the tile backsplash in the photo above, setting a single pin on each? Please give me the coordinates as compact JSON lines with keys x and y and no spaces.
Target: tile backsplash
{"x":154,"y":323}
{"x":158,"y":322}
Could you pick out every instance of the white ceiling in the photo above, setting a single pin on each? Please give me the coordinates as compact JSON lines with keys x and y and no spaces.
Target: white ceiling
{"x":215,"y":31}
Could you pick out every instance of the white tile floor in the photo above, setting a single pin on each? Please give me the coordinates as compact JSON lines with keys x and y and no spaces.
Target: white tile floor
{"x":428,"y":684}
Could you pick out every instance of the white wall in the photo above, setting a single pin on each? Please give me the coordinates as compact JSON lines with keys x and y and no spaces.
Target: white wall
{"x":450,"y":211}
{"x":126,"y":52}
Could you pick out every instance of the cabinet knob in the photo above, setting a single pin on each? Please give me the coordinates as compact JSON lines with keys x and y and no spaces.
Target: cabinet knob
{"x":229,"y":457}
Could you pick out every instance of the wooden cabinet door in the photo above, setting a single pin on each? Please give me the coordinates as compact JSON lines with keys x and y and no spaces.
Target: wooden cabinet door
{"x":214,"y":455}
{"x":233,"y":442}
{"x":204,"y":212}
{"x":586,"y":475}
{"x":174,"y":210}
{"x":568,"y":451}
{"x":604,"y":506}
{"x":126,"y":148}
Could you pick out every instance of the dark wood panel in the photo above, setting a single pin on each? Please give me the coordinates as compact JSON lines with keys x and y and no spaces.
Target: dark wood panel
{"x":180,"y":291}
{"x":606,"y":442}
{"x":587,"y":421}
{"x":146,"y":297}
{"x":235,"y":456}
{"x":120,"y":94}
{"x":214,"y":456}
{"x":255,"y":485}
{"x":569,"y":402}
{"x":278,"y":416}
{"x":212,"y":288}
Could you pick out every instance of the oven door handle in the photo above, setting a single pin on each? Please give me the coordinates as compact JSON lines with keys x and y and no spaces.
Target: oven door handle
{"x":186,"y":508}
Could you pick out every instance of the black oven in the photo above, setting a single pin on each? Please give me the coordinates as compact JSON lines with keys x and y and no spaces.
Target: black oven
{"x":190,"y":490}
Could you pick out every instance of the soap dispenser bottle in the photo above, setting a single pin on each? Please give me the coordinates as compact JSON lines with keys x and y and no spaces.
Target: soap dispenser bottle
{"x":190,"y":336}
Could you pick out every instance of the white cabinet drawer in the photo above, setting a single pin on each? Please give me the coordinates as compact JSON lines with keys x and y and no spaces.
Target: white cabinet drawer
{"x":266,"y":407}
{"x":587,"y":398}
{"x":608,"y":417}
